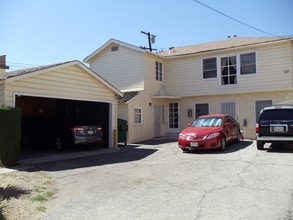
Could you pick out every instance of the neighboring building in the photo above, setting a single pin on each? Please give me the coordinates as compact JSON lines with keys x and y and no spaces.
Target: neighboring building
{"x":37,"y":91}
{"x":3,"y":66}
{"x":165,"y":91}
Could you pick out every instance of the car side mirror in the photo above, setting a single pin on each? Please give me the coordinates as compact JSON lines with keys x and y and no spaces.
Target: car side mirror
{"x":188,"y":125}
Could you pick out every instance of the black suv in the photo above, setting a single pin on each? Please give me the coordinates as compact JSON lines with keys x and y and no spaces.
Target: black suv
{"x":275,"y":124}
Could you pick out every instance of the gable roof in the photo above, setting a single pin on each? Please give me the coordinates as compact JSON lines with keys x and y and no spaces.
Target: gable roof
{"x":163,"y":94}
{"x":28,"y":72}
{"x":127,"y":96}
{"x":229,"y":43}
{"x":119,"y":43}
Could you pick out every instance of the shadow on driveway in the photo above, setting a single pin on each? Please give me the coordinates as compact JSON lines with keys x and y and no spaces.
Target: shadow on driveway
{"x":280,"y":148}
{"x":84,"y":159}
{"x":157,"y":141}
{"x":233,"y":147}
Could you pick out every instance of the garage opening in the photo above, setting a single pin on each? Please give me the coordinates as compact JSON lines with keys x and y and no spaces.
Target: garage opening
{"x":50,"y":123}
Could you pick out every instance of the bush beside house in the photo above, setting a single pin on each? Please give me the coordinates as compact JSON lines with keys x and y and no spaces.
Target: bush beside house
{"x":10,"y":135}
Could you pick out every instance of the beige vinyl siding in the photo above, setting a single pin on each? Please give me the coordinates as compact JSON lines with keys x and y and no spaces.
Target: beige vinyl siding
{"x":123,"y":68}
{"x":272,"y":61}
{"x":71,"y":82}
{"x":123,"y":111}
{"x":152,"y":85}
{"x":145,"y":130}
{"x":183,"y":76}
{"x":2,"y":93}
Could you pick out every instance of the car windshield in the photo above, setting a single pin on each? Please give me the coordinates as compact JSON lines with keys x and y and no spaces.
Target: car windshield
{"x":207,"y":122}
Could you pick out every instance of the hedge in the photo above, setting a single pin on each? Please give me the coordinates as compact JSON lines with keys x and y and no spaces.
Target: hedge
{"x":10,"y":135}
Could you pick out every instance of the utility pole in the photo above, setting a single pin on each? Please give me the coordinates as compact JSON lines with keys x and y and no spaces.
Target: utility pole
{"x":151,"y":40}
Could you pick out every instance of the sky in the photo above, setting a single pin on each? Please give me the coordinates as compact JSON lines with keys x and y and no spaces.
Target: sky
{"x":40,"y":32}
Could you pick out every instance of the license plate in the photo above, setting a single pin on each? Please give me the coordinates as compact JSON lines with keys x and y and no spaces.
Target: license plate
{"x":278,"y":129}
{"x":90,"y":132}
{"x":193,"y":144}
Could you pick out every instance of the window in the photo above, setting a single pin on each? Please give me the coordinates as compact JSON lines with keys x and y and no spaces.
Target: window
{"x":228,"y":108}
{"x":159,"y":75}
{"x":137,"y":116}
{"x":259,"y":105}
{"x":228,"y":70}
{"x":209,"y":68}
{"x":247,"y":63}
{"x":173,"y":115}
{"x":114,"y":48}
{"x":201,"y":109}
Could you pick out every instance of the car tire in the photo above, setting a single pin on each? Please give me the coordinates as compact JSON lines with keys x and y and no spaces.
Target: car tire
{"x":238,"y":138}
{"x":260,"y":145}
{"x":223,"y":143}
{"x":58,"y":143}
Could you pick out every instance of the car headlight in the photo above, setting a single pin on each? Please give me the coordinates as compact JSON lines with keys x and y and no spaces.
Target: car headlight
{"x":182,"y":135}
{"x":213,"y":135}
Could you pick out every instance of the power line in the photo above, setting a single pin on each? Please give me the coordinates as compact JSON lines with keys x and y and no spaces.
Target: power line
{"x":234,"y":19}
{"x":17,"y":66}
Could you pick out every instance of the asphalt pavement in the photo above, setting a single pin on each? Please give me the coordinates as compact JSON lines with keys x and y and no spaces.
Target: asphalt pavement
{"x":155,"y":180}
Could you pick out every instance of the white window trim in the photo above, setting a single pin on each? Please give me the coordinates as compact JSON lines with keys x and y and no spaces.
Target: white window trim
{"x":201,"y":64}
{"x":141,"y":114}
{"x":256,"y":63}
{"x":219,"y":70}
{"x":162,"y":70}
{"x":238,"y":68}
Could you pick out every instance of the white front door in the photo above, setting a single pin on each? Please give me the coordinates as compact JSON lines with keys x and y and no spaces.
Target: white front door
{"x":157,"y":120}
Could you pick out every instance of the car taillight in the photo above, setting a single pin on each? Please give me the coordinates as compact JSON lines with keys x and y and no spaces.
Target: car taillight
{"x":77,"y":129}
{"x":257,"y":128}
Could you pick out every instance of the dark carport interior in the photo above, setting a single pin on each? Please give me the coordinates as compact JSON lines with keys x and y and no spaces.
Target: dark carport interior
{"x":44,"y":118}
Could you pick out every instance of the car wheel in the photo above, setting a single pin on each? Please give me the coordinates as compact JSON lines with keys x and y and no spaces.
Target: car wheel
{"x":58,"y":144}
{"x":223,"y":143}
{"x":260,"y":145}
{"x":238,"y":138}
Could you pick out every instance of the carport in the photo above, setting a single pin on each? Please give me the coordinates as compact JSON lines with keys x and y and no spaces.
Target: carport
{"x":64,"y":90}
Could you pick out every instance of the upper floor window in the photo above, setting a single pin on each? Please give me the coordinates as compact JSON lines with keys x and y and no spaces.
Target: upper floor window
{"x":159,"y":72}
{"x":209,"y":67}
{"x":138,"y":116}
{"x":228,"y":70}
{"x":247,"y":63}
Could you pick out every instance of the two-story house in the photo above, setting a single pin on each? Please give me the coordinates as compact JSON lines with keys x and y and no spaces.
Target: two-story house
{"x":139,"y":75}
{"x":165,"y":91}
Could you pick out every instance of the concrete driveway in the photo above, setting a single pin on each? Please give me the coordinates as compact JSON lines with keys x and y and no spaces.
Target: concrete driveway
{"x":155,"y":180}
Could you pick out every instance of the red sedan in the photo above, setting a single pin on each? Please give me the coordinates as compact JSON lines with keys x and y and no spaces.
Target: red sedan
{"x":210,"y":132}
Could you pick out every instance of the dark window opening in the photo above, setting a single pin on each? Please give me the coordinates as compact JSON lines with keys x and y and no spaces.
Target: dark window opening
{"x":209,"y":68}
{"x":228,"y":70}
{"x":247,"y":63}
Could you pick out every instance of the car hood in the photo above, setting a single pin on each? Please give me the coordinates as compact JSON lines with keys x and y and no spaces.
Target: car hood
{"x":200,"y":130}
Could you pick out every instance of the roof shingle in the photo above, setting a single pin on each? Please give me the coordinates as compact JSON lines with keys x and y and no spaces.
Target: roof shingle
{"x":220,"y":45}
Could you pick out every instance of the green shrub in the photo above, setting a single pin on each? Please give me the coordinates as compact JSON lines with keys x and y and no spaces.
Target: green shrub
{"x":10,"y":135}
